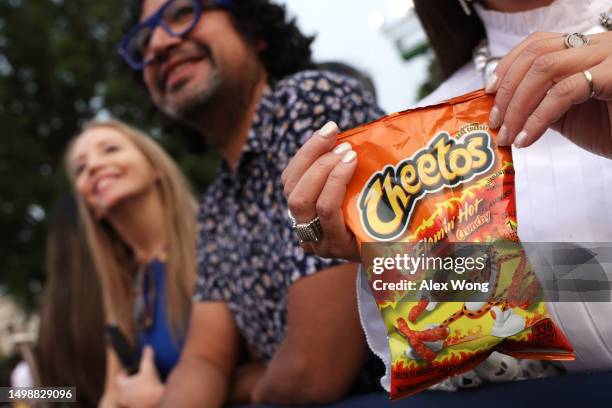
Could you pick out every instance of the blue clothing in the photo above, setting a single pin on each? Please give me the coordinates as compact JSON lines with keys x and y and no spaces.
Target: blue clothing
{"x":159,"y":336}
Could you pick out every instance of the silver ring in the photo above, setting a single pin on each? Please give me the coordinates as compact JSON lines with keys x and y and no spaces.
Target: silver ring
{"x":310,"y":231}
{"x":291,"y":217}
{"x":575,"y":40}
{"x":589,"y":77}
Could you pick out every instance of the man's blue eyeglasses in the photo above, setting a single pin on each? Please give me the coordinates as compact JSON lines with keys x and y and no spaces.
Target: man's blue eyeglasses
{"x":176,"y":17}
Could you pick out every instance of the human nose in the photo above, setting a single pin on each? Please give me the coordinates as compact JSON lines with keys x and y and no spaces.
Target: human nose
{"x":159,"y":44}
{"x":95,"y":163}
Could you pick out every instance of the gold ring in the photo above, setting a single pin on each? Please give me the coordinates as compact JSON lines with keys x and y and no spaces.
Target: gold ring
{"x":589,"y":77}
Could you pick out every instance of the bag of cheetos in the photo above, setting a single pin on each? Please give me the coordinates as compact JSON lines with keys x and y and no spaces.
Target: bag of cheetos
{"x":433,"y":178}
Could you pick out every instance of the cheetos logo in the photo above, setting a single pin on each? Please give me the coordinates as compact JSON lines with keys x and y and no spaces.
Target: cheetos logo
{"x":388,"y":199}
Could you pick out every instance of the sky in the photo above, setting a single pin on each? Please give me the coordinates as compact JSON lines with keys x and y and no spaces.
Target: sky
{"x":344,"y":33}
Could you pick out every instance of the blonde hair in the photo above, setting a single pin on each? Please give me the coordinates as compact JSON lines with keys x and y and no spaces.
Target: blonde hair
{"x":112,"y":259}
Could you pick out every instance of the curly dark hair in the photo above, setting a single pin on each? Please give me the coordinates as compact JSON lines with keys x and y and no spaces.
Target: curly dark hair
{"x":287,"y":51}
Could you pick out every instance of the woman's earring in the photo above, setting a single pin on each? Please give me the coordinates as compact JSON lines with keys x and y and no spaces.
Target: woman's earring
{"x":466,"y":8}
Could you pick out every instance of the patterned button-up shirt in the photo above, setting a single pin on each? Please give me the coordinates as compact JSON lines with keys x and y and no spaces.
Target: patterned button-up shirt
{"x":248,"y":255}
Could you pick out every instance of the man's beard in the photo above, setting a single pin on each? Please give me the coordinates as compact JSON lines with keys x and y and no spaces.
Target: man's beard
{"x":219,"y":107}
{"x":186,"y":108}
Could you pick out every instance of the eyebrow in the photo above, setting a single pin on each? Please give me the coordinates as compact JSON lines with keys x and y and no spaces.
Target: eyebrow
{"x":98,"y":144}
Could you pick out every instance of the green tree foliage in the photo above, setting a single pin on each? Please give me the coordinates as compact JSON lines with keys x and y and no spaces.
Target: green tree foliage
{"x":58,"y":69}
{"x":435,"y":77}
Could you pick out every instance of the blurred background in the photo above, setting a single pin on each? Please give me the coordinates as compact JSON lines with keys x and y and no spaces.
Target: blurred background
{"x":59,"y":68}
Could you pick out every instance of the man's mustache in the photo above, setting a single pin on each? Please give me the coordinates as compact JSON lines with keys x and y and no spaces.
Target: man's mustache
{"x":196,"y":51}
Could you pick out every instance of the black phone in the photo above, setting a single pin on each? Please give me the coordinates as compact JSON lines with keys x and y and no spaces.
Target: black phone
{"x":127,"y":355}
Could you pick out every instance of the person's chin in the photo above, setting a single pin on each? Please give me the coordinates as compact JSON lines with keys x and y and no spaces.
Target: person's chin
{"x":182,"y":105}
{"x":106,"y":206}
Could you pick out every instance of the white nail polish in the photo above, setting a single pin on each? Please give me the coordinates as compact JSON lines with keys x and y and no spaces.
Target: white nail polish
{"x":341,"y":148}
{"x":349,"y":156}
{"x":502,"y":136}
{"x":490,"y":83}
{"x":329,"y":129}
{"x":494,"y":118}
{"x":521,"y":139}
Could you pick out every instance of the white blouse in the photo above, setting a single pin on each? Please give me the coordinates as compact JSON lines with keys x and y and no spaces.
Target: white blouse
{"x":563,"y":193}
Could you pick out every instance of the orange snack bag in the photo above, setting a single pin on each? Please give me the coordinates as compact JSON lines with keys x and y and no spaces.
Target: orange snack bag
{"x":436,"y":176}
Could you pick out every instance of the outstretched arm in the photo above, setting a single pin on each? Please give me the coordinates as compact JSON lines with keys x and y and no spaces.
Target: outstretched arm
{"x":202,"y":376}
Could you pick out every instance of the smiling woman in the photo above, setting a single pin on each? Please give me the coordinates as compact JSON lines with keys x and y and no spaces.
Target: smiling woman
{"x":108,"y":169}
{"x":139,"y":219}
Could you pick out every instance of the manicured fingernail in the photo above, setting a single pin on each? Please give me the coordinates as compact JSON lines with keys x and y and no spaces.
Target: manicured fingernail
{"x":490,"y":83}
{"x":521,"y":139}
{"x":349,"y":157}
{"x":328,"y":130}
{"x":341,"y":148}
{"x":494,"y":118}
{"x":502,"y":136}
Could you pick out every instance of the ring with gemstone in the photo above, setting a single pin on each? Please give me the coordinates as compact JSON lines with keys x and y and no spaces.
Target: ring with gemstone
{"x":575,"y":40}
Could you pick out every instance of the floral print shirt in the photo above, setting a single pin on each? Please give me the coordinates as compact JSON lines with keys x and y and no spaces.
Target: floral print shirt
{"x":248,"y":254}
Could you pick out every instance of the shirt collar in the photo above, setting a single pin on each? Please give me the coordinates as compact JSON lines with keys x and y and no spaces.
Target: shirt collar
{"x":260,"y":133}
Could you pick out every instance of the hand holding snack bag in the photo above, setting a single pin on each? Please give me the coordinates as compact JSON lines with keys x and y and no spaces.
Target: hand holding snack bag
{"x":315,"y":182}
{"x":435,"y":176}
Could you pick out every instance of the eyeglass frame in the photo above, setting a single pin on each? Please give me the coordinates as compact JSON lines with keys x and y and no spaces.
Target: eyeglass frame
{"x":156,"y":20}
